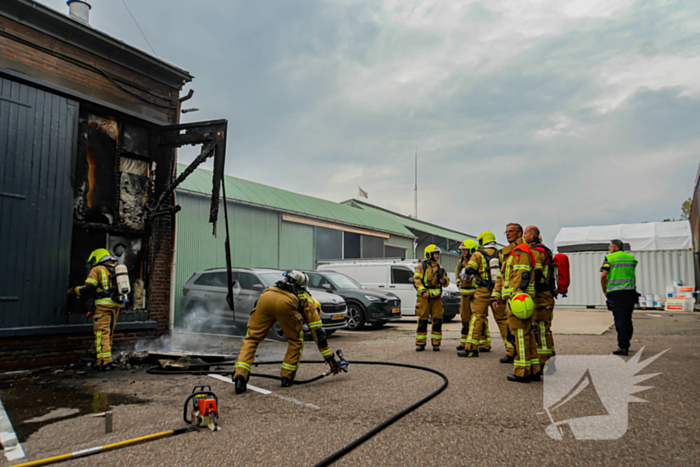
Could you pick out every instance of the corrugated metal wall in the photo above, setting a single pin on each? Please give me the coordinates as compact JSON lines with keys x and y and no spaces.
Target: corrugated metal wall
{"x":655,"y":271}
{"x":37,"y":146}
{"x":255,"y":239}
{"x":296,"y":246}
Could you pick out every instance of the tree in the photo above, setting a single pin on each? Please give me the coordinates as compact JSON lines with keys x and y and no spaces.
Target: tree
{"x":686,"y":208}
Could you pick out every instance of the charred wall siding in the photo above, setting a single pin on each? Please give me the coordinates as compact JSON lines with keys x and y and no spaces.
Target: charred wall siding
{"x":37,"y":147}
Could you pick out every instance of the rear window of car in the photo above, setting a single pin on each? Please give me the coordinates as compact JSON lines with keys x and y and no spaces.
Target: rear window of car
{"x":212,"y":279}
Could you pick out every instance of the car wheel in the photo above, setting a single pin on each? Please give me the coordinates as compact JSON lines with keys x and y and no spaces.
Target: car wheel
{"x":356,"y":317}
{"x":378,"y":325}
{"x":447,"y":319}
{"x":196,"y":318}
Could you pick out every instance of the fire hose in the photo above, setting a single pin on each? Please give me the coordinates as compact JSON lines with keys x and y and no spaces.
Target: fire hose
{"x":362,"y":439}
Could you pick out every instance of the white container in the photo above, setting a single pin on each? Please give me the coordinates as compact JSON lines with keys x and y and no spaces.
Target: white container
{"x":658,"y":304}
{"x":687,"y":295}
{"x":649,"y":297}
{"x":679,"y":304}
{"x":677,"y":283}
{"x":657,"y":298}
{"x":670,"y":291}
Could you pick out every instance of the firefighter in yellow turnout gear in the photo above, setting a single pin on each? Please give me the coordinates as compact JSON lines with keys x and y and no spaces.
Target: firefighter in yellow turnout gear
{"x":288,"y":303}
{"x":484,"y":268}
{"x":101,"y":283}
{"x":544,"y":298}
{"x":429,"y":279}
{"x":515,"y":284}
{"x":467,"y":287}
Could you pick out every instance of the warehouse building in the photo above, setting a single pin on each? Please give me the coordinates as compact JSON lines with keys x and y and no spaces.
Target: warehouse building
{"x":88,"y":127}
{"x":275,"y":228}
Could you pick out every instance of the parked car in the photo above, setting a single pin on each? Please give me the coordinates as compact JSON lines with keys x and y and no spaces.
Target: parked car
{"x":364,"y":306}
{"x":395,"y":276}
{"x":204,"y":300}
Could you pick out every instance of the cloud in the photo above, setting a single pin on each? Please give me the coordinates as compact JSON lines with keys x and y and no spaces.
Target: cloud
{"x":556,"y":113}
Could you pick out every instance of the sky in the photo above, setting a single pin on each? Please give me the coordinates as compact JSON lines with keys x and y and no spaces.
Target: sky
{"x":548,"y":112}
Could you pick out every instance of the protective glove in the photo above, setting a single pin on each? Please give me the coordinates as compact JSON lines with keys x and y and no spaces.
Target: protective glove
{"x":70,"y":291}
{"x":333,"y":363}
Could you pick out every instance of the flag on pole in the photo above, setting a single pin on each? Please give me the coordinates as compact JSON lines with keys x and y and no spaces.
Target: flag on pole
{"x":363,"y":193}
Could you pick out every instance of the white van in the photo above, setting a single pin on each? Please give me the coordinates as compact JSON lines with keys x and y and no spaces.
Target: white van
{"x":394,"y":276}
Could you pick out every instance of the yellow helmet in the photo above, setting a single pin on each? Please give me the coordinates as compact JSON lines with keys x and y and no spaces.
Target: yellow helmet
{"x":486,"y":237}
{"x":99,"y":256}
{"x":470,"y":245}
{"x":429,"y":250}
{"x":522,"y":305}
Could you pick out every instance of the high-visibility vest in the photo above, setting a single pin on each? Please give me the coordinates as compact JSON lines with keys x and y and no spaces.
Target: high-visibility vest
{"x":621,"y":275}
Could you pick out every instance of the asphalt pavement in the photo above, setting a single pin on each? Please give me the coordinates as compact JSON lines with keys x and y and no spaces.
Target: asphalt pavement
{"x":480,"y":419}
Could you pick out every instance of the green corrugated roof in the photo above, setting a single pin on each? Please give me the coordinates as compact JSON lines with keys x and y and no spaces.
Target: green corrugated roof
{"x":245,"y":191}
{"x":413,"y":223}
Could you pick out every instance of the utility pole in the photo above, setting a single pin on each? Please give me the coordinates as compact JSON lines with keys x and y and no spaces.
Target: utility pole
{"x":415,"y":191}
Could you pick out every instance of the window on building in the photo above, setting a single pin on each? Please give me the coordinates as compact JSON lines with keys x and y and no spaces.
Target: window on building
{"x":372,"y":247}
{"x":394,"y":252}
{"x":351,"y":245}
{"x":401,"y":275}
{"x":328,"y":243}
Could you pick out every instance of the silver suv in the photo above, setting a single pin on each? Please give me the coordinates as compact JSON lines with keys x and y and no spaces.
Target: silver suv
{"x":204,"y":301}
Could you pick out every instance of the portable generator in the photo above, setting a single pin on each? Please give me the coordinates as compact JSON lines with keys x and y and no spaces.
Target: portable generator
{"x":205,"y":408}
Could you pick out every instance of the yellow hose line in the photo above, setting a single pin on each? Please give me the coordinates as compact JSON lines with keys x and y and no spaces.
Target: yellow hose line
{"x":106,"y":447}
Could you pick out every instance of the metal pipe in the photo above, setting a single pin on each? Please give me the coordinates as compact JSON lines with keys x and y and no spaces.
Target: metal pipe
{"x":107,"y":447}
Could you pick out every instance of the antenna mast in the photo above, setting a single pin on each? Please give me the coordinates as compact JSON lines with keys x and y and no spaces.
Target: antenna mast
{"x":415,"y":191}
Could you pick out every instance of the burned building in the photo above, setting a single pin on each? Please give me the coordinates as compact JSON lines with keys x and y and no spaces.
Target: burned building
{"x":88,"y":137}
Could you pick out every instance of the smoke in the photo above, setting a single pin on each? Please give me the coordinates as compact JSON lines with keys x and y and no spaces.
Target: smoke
{"x":162,"y":344}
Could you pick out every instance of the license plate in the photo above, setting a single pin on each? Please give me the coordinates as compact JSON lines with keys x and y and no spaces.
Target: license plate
{"x":396,"y":310}
{"x":336,"y":317}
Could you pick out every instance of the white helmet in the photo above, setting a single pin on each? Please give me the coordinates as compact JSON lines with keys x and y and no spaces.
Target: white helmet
{"x":297,"y":278}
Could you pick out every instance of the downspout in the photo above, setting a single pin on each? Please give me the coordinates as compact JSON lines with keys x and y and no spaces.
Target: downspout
{"x":173,"y":261}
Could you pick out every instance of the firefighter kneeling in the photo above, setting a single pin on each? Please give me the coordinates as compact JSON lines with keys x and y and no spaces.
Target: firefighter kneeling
{"x":290,"y":304}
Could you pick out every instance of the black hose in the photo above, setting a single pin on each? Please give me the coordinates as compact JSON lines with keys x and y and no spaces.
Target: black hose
{"x":362,"y":439}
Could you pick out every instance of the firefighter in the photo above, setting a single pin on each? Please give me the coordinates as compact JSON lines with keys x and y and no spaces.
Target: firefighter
{"x":429,"y":279}
{"x":101,"y":282}
{"x":619,"y":282}
{"x":544,"y":294}
{"x":290,"y":304}
{"x":515,"y":285}
{"x":483,"y":266}
{"x":467,"y":287}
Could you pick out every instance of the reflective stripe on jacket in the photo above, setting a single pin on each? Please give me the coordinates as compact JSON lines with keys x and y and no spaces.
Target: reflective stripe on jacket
{"x":621,"y":275}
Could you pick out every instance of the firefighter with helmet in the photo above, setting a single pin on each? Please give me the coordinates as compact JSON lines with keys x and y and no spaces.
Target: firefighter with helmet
{"x":467,"y":287}
{"x":102,"y":283}
{"x":484,"y":267}
{"x":516,"y":285}
{"x":544,"y":299}
{"x":290,"y":304}
{"x":429,"y":279}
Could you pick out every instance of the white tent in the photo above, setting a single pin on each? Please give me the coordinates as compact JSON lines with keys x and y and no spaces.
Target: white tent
{"x":663,"y":250}
{"x":651,"y":236}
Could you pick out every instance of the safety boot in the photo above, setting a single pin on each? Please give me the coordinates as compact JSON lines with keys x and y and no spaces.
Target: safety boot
{"x":460,"y":347}
{"x":240,"y":384}
{"x":507,"y":359}
{"x":420,"y":348}
{"x":436,"y":348}
{"x":518,"y":379}
{"x":286,"y":382}
{"x":484,"y":350}
{"x":537,"y":377}
{"x":623,"y":352}
{"x":468,"y":353}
